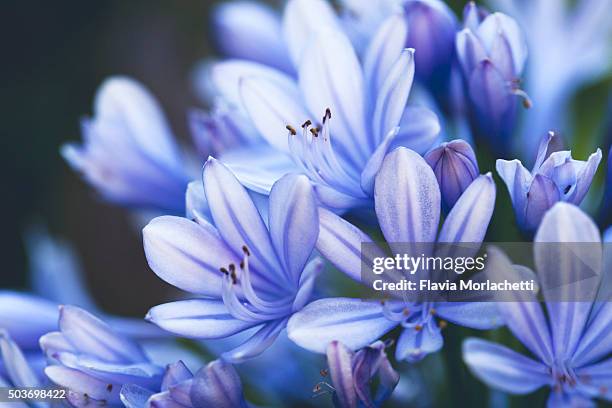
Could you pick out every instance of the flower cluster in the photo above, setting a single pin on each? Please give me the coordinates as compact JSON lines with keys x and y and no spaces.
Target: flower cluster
{"x":330,"y":129}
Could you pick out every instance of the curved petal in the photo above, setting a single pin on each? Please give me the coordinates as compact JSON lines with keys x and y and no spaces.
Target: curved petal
{"x":175,"y":374}
{"x":518,"y":180}
{"x":239,"y":222}
{"x":502,"y":368}
{"x":595,"y":342}
{"x":585,"y":177}
{"x":340,"y":242}
{"x":476,"y":315}
{"x":383,"y":51}
{"x":570,"y":274}
{"x":187,"y":255}
{"x":90,"y":335}
{"x":197,"y":318}
{"x":134,"y":396}
{"x":469,"y":51}
{"x":542,"y":195}
{"x":217,"y":385}
{"x":301,"y":20}
{"x":331,"y":78}
{"x":271,"y":108}
{"x":407,"y":198}
{"x":393,"y":95}
{"x":19,"y":371}
{"x":79,"y":382}
{"x":368,"y":175}
{"x":499,"y":24}
{"x":416,"y":342}
{"x":16,"y":308}
{"x":251,"y":30}
{"x":469,"y":218}
{"x":294,"y":225}
{"x":354,"y":322}
{"x":196,"y":205}
{"x":340,"y":363}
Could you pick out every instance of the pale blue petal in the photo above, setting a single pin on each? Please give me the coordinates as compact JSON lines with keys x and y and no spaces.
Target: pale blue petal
{"x":134,"y":396}
{"x":186,"y":254}
{"x":340,"y":242}
{"x":414,"y":344}
{"x":217,"y":385}
{"x":597,"y":379}
{"x":419,"y":129}
{"x":16,"y":308}
{"x":576,"y":273}
{"x":340,"y":363}
{"x":196,"y":205}
{"x":294,"y":225}
{"x":383,"y":52}
{"x":197,"y":318}
{"x":497,"y":24}
{"x":477,"y":315}
{"x":518,"y":180}
{"x":368,"y":176}
{"x":17,"y":368}
{"x":331,"y":77}
{"x":502,"y":368}
{"x":542,"y":195}
{"x":469,"y":51}
{"x":393,"y":95}
{"x":175,"y":374}
{"x":251,"y":30}
{"x":354,"y":322}
{"x":79,"y":382}
{"x":585,"y":177}
{"x":469,"y":218}
{"x":405,"y":177}
{"x":302,"y":19}
{"x":596,"y":341}
{"x":256,"y":344}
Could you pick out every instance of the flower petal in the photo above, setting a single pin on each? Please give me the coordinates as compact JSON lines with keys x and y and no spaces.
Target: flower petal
{"x":518,"y":180}
{"x":405,"y":177}
{"x":16,"y":308}
{"x":239,"y":222}
{"x":134,"y":396}
{"x":570,"y":274}
{"x":197,"y":318}
{"x":476,"y":315}
{"x":175,"y":374}
{"x":497,"y":24}
{"x":393,"y":95}
{"x":542,"y":195}
{"x":256,"y":344}
{"x":414,"y":344}
{"x":383,"y":51}
{"x":502,"y":368}
{"x":294,"y":226}
{"x":340,"y":242}
{"x":251,"y":30}
{"x":217,"y":385}
{"x":339,"y":360}
{"x":585,"y":177}
{"x":79,"y":382}
{"x":301,"y":21}
{"x":17,"y":368}
{"x":419,"y":129}
{"x":331,"y":78}
{"x":354,"y":322}
{"x":368,"y":176}
{"x":469,"y":218}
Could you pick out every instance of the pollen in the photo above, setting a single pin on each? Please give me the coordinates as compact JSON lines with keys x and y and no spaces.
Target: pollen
{"x":306,"y":124}
{"x":291,"y":130}
{"x":418,"y":327}
{"x":246,"y":251}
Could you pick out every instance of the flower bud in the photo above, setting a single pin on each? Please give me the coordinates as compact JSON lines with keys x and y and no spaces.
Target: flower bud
{"x":455,"y":166}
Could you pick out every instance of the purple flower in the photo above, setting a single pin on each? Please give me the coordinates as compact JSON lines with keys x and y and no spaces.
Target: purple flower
{"x":555,"y":176}
{"x":129,"y":155}
{"x":455,"y":166}
{"x":252,"y":273}
{"x":93,"y":361}
{"x":404,"y":178}
{"x":352,"y":374}
{"x":492,"y":53}
{"x":338,"y":120}
{"x":569,"y":342}
{"x":216,"y":385}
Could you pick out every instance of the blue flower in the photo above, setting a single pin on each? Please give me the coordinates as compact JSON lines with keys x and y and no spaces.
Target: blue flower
{"x":455,"y":166}
{"x":340,"y":118}
{"x":352,"y":374}
{"x":247,"y":272}
{"x":569,"y":341}
{"x":128,"y":154}
{"x":404,"y":178}
{"x":93,"y":361}
{"x":216,"y":385}
{"x":492,"y":52}
{"x":555,"y":176}
{"x":15,"y":370}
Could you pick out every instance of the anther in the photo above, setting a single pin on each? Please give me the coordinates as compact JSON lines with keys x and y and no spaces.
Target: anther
{"x":224,"y":271}
{"x":442,"y":324}
{"x":242,"y":264}
{"x":291,"y":130}
{"x":246,"y":251}
{"x":323,"y":372}
{"x":405,"y":312}
{"x":306,"y":124}
{"x":233,"y":275}
{"x":432,"y":311}
{"x":418,"y":327}
{"x":314,"y":131}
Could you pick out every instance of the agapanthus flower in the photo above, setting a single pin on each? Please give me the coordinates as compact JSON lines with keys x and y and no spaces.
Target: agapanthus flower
{"x":248,"y":273}
{"x":492,"y":51}
{"x":128,"y":153}
{"x":93,"y":361}
{"x":407,"y":203}
{"x":338,"y":120}
{"x":352,"y":374}
{"x":553,"y":31}
{"x":569,"y":341}
{"x":15,"y":371}
{"x":216,"y":385}
{"x":455,"y":166}
{"x":555,"y":177}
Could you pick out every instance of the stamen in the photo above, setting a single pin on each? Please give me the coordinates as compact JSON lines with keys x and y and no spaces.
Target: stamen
{"x":442,"y":324}
{"x":246,"y":251}
{"x":306,"y":124}
{"x":291,"y":130}
{"x":224,"y":271}
{"x":323,"y":372}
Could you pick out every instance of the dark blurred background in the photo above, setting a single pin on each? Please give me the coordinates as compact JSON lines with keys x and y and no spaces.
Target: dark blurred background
{"x":54,"y":56}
